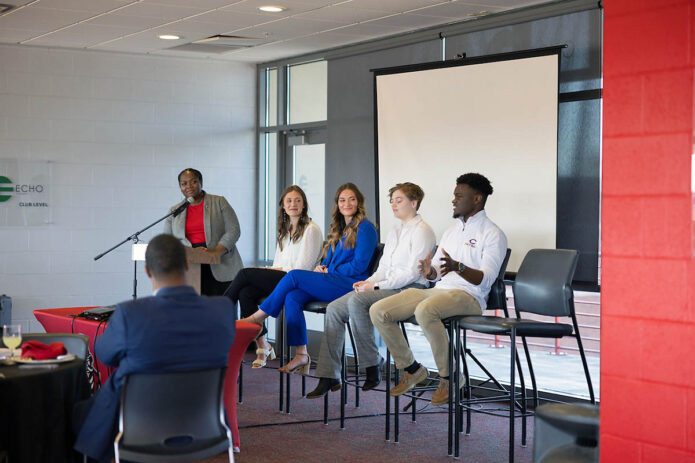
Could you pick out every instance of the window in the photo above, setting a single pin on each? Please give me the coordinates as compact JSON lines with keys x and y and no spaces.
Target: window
{"x":307,"y":92}
{"x":291,"y":131}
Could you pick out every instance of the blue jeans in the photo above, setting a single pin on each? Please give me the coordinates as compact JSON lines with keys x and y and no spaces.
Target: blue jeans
{"x":296,"y":289}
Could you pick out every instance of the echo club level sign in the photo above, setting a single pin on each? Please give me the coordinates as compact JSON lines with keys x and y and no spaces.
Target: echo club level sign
{"x":25,"y":192}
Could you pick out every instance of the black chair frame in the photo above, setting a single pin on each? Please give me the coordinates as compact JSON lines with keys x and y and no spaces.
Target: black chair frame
{"x":523,"y":328}
{"x":496,"y":300}
{"x":319,"y":307}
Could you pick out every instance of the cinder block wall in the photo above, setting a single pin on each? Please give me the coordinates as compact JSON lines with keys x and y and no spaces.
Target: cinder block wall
{"x":648,"y":279}
{"x":117,"y":129}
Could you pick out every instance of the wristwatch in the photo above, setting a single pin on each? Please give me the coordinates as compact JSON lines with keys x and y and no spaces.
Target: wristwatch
{"x":461,"y":267}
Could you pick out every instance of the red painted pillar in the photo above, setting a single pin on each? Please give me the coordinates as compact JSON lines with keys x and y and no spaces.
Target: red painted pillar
{"x":648,"y":277}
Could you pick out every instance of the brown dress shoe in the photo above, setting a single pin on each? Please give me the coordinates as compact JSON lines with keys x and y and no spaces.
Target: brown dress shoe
{"x":409,"y":381}
{"x":441,"y":395}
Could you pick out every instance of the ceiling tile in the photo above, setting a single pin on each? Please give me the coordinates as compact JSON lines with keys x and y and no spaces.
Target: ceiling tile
{"x":233,"y":19}
{"x":370,"y":29}
{"x":84,"y":34}
{"x":146,"y":43}
{"x":120,"y":20}
{"x":306,"y":25}
{"x":456,"y":11}
{"x":394,"y":6}
{"x":345,"y":13}
{"x":161,"y":12}
{"x":205,"y":4}
{"x":410,"y":21}
{"x":190,"y":30}
{"x":293,"y":7}
{"x":289,"y":28}
{"x":41,"y":19}
{"x":507,"y":3}
{"x":86,"y":5}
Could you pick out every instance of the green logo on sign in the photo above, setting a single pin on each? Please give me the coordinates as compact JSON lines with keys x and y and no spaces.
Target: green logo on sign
{"x":3,"y":189}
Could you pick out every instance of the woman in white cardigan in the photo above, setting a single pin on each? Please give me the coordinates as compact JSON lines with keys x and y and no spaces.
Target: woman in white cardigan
{"x":299,"y":246}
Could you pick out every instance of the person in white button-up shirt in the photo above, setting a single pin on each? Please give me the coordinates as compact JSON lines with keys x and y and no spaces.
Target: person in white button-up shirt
{"x":408,"y":242}
{"x":466,"y":264}
{"x":299,"y":247}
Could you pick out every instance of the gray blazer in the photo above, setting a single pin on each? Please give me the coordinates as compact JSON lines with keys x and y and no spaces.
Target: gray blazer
{"x":221,"y":227}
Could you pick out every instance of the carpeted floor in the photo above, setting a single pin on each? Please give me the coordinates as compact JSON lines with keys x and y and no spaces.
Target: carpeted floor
{"x":268,"y":435}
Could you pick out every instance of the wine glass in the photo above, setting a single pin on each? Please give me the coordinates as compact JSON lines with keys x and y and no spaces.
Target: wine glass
{"x":12,"y":337}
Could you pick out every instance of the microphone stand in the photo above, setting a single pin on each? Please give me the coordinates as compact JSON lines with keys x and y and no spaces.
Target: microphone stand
{"x":135,"y":238}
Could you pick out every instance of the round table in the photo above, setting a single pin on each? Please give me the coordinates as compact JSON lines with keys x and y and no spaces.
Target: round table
{"x":36,"y":410}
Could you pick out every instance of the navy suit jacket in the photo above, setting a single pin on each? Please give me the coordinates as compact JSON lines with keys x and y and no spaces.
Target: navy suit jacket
{"x":175,"y":330}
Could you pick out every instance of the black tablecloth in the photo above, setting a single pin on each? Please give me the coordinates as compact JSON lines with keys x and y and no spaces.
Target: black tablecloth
{"x":36,"y":411}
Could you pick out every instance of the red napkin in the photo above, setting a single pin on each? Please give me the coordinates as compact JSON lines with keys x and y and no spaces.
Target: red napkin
{"x":40,"y":351}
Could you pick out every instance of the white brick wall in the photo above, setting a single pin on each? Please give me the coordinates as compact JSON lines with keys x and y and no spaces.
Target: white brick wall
{"x":118,"y":128}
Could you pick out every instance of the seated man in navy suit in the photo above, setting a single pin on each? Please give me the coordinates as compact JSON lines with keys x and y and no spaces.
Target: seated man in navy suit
{"x":175,"y":329}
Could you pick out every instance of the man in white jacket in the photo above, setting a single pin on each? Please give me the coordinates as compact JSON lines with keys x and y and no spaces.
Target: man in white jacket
{"x":466,"y":264}
{"x":407,"y":243}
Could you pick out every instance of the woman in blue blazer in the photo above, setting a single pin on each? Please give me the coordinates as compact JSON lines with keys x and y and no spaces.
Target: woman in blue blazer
{"x":351,"y":242}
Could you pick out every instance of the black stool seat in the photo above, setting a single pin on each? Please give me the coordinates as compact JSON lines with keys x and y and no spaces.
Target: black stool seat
{"x":570,"y":453}
{"x":580,"y":420}
{"x":567,"y":433}
{"x":524,"y":327}
{"x":316,"y":306}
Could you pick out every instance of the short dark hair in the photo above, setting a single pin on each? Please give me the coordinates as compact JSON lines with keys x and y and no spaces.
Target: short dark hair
{"x":195,"y":172}
{"x":477,"y":182}
{"x":165,"y":255}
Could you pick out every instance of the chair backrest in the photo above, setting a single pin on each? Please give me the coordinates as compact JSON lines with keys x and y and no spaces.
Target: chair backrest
{"x":173,"y":410}
{"x":543,"y":283}
{"x":374,"y":263}
{"x":497,"y":297}
{"x":75,"y":343}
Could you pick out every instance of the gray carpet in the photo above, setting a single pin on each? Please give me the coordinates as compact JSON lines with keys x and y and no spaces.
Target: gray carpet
{"x":268,"y":435}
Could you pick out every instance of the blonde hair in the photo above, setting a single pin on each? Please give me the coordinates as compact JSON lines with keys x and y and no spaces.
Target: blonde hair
{"x":412,"y":191}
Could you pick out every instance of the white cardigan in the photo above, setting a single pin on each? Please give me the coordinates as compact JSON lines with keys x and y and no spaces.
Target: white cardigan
{"x":303,"y":254}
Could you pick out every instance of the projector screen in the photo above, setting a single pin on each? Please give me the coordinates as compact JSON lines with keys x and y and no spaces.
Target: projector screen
{"x":497,"y":117}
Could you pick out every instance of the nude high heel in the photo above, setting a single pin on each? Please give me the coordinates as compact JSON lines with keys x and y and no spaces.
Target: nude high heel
{"x":302,"y":369}
{"x":267,"y":355}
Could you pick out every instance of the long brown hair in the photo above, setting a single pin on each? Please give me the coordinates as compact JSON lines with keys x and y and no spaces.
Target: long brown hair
{"x":338,"y":227}
{"x":284,"y":224}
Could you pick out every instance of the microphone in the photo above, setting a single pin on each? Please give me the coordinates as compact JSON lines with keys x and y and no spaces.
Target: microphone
{"x":184,"y":204}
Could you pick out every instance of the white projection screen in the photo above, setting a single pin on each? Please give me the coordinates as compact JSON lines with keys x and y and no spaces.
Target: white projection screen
{"x":497,"y":118}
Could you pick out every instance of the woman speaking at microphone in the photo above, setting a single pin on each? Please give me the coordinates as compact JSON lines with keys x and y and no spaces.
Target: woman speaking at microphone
{"x":209,"y":224}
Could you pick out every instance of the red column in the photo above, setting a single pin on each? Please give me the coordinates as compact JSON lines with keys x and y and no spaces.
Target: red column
{"x":648,"y":276}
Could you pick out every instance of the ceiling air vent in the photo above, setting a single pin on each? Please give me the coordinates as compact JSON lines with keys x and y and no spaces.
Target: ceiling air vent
{"x":219,"y":44}
{"x":5,"y":7}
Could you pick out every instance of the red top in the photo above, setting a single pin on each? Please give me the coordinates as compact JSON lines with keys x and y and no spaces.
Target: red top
{"x":195,"y":227}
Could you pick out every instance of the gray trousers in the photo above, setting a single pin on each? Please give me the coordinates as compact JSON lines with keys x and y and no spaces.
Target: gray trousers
{"x":429,"y":306}
{"x":352,"y":307}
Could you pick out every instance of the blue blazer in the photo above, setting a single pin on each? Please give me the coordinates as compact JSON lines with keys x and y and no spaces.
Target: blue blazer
{"x":353,"y":263}
{"x":175,"y":330}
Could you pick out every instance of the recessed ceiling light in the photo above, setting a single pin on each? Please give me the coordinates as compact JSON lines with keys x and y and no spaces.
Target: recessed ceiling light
{"x":272,"y":8}
{"x":169,"y":37}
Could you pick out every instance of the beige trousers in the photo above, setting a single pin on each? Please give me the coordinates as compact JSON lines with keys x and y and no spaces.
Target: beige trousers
{"x":429,"y":306}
